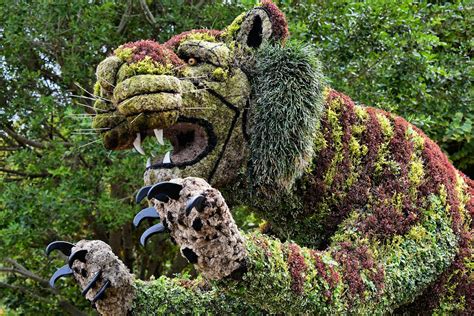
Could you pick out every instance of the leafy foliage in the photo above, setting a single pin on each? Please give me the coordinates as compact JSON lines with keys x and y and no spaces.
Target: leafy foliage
{"x":409,"y":57}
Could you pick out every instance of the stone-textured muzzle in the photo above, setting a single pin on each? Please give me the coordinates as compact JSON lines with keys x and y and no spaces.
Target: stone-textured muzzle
{"x":138,"y":91}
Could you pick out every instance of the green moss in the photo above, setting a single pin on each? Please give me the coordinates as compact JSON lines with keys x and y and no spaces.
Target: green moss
{"x":101,"y":106}
{"x":231,"y":30}
{"x":124,"y":53}
{"x":145,"y":84}
{"x":385,"y":125}
{"x":219,"y":74}
{"x":417,"y":139}
{"x":356,"y":152}
{"x":148,"y":66}
{"x":213,"y":53}
{"x":156,"y":102}
{"x":106,"y":72}
{"x":179,"y":296}
{"x":96,"y":90}
{"x":416,"y":171}
{"x":199,"y":37}
{"x":336,"y":136}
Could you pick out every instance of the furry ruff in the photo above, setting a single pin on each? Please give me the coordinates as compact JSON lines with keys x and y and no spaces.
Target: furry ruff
{"x":285,"y":113}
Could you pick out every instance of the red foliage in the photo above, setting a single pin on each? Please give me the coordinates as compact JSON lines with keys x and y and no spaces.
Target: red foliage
{"x":385,"y":219}
{"x":278,"y":19}
{"x":158,"y":53}
{"x":297,"y":268}
{"x":174,"y":42}
{"x":355,"y":260}
{"x":332,"y":278}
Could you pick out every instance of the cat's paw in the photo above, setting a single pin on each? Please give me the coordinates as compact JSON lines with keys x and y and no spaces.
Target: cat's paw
{"x":102,"y":276}
{"x":199,"y":221}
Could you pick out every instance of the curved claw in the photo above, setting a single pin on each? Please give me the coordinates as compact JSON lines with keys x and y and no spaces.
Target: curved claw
{"x":142,"y":193}
{"x":169,"y":189}
{"x":78,"y":255}
{"x":63,"y":246}
{"x":63,"y":271}
{"x":91,"y":283}
{"x":149,"y":212}
{"x":155,"y":229}
{"x":101,"y":292}
{"x":195,"y":201}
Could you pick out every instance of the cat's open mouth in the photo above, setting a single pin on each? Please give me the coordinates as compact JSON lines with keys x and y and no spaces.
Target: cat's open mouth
{"x":192,"y":140}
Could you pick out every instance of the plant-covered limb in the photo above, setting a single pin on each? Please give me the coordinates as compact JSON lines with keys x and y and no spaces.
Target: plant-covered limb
{"x":351,"y":275}
{"x":182,"y":296}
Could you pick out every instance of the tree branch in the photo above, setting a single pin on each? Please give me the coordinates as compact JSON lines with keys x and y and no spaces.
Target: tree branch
{"x":21,"y":139}
{"x":148,"y":15}
{"x":25,"y":272}
{"x":25,"y":174}
{"x":66,"y":306}
{"x":125,"y":17}
{"x":9,"y":148}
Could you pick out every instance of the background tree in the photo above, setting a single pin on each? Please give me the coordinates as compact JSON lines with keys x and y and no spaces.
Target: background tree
{"x":58,"y":182}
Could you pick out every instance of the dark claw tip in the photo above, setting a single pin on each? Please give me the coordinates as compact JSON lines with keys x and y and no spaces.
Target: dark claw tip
{"x":78,"y":255}
{"x":63,"y":271}
{"x":101,"y":292}
{"x":149,"y":212}
{"x":169,"y":189}
{"x":195,"y":201}
{"x":63,"y":246}
{"x":155,"y":229}
{"x":142,"y":193}
{"x":91,"y":283}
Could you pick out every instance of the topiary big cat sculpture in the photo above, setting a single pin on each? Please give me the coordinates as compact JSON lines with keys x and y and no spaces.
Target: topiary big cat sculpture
{"x":364,"y":214}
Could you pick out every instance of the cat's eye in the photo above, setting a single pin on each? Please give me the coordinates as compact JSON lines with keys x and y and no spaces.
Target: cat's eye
{"x":192,"y":61}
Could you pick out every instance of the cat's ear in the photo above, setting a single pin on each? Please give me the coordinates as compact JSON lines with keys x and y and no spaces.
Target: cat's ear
{"x":261,"y":24}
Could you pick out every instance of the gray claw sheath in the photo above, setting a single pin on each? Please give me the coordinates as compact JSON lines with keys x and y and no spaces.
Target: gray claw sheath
{"x":91,"y":283}
{"x":195,"y":202}
{"x":142,"y":193}
{"x":63,"y":246}
{"x":149,"y":212}
{"x":77,"y":255}
{"x":158,"y":228}
{"x":101,"y":292}
{"x":169,"y":189}
{"x":63,"y":271}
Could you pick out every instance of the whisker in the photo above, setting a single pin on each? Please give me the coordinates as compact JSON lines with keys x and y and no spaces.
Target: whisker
{"x":136,"y":118}
{"x":81,"y":117}
{"x":90,"y":143}
{"x":90,"y":107}
{"x":95,"y":98}
{"x":81,"y":114}
{"x":93,"y":129}
{"x":91,"y":94}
